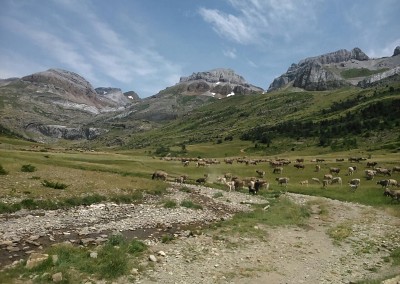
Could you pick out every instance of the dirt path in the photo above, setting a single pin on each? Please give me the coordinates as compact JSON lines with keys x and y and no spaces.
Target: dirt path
{"x":289,"y":254}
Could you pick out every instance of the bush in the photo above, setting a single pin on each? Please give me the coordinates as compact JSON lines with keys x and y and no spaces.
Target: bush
{"x":3,"y":171}
{"x":55,"y":185}
{"x":28,"y":168}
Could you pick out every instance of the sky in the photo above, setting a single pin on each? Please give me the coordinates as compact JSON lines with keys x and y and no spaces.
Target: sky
{"x":147,"y":45}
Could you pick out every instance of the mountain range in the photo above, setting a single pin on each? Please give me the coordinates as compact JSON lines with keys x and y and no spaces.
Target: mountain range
{"x":58,"y":104}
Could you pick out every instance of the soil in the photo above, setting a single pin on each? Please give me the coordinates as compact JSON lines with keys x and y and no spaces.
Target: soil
{"x":288,"y":254}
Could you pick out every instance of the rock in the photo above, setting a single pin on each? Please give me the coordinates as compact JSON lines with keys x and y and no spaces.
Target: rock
{"x":57,"y":277}
{"x":135,"y":271}
{"x":162,"y":253}
{"x":12,"y":249}
{"x":93,"y":254}
{"x":394,"y":280}
{"x":36,"y":259}
{"x":152,"y":258}
{"x":54,"y":258}
{"x":396,"y":51}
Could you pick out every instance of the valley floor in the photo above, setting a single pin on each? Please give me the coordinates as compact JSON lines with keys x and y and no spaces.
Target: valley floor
{"x":290,"y":254}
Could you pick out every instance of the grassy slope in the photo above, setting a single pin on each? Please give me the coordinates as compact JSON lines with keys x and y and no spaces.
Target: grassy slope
{"x":237,"y":114}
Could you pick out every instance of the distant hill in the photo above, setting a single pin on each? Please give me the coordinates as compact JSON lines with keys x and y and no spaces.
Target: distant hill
{"x":338,"y":69}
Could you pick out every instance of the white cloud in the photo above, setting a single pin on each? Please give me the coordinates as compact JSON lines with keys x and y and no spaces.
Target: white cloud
{"x":257,"y":21}
{"x":231,"y":53}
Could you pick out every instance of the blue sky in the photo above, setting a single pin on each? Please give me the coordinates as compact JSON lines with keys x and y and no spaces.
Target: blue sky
{"x":147,"y":45}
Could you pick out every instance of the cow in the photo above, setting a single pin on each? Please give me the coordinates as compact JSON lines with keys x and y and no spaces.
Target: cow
{"x":282,"y":180}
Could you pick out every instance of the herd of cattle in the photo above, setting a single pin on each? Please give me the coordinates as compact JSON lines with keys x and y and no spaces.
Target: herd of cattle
{"x":254,"y":184}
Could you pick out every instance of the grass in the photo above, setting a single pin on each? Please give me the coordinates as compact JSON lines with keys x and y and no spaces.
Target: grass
{"x":190,"y":204}
{"x":360,"y":72}
{"x":114,"y":259}
{"x":3,"y":172}
{"x":282,"y":212}
{"x":395,"y":256}
{"x":170,"y":203}
{"x":340,"y":232}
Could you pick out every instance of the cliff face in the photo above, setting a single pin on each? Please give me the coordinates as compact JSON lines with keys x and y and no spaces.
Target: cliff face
{"x":325,"y":72}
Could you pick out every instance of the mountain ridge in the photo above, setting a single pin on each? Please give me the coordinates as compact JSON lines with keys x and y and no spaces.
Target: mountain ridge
{"x":324,"y":72}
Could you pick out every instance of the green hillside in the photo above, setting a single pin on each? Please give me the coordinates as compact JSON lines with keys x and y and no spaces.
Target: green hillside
{"x":338,"y":120}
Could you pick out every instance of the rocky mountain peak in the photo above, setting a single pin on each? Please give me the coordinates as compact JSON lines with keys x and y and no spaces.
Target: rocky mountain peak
{"x":324,"y":72}
{"x":218,"y":83}
{"x":338,"y":56}
{"x":67,"y":80}
{"x":396,"y":51}
{"x":216,"y":75}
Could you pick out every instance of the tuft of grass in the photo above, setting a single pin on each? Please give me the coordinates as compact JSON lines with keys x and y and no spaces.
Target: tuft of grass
{"x":28,"y":168}
{"x":136,"y":247}
{"x":112,"y":262}
{"x":218,"y":194}
{"x":340,"y":232}
{"x":191,"y":204}
{"x":9,"y":208}
{"x":55,"y":185}
{"x":3,"y":172}
{"x":167,"y":238}
{"x":116,"y":240}
{"x":185,"y":189}
{"x":395,"y":255}
{"x":170,"y":203}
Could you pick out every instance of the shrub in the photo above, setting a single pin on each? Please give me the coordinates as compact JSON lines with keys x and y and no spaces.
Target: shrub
{"x":28,"y":168}
{"x":55,"y":185}
{"x":3,"y":171}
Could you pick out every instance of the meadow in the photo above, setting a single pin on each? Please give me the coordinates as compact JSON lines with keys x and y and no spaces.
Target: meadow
{"x":124,"y":173}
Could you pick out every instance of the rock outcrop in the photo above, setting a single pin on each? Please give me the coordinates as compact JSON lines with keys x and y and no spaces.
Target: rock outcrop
{"x":69,"y":133}
{"x":132,"y":96}
{"x":377,"y":78}
{"x":112,"y":96}
{"x":396,"y":51}
{"x":313,"y":73}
